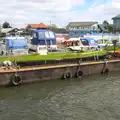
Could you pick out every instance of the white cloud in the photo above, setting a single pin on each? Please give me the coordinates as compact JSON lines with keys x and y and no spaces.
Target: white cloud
{"x":22,"y":12}
{"x":100,"y":12}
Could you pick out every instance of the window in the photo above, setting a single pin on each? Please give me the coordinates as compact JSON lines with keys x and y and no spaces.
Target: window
{"x":47,"y":34}
{"x":93,"y":27}
{"x":85,"y":42}
{"x":41,"y":35}
{"x":34,"y":35}
{"x":100,"y":41}
{"x":51,"y":34}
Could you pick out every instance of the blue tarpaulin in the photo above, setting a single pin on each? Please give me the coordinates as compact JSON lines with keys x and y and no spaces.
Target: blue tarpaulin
{"x":16,"y":43}
{"x":91,"y":41}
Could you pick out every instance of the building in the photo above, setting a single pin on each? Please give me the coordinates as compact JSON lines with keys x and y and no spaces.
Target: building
{"x":31,"y":27}
{"x":82,"y":28}
{"x":116,"y":24}
{"x":9,"y":31}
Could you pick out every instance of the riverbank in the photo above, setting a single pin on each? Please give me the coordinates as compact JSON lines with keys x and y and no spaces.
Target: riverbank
{"x":53,"y":56}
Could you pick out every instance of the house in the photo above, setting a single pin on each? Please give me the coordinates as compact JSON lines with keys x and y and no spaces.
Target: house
{"x":31,"y":27}
{"x":82,"y":28}
{"x":9,"y":31}
{"x":116,"y":24}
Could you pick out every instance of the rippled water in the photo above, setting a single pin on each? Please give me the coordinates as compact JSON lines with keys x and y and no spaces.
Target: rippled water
{"x":93,"y":98}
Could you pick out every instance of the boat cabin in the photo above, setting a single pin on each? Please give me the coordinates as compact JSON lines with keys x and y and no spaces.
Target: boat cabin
{"x":43,"y":38}
{"x":90,"y":42}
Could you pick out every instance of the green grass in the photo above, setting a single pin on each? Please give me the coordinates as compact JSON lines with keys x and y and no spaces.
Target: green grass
{"x":111,"y":48}
{"x":51,"y":56}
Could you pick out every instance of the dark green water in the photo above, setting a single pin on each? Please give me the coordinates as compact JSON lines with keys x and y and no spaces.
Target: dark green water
{"x":93,"y":98}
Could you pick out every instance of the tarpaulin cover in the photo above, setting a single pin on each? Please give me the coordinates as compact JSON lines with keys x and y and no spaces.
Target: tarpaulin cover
{"x":17,"y":43}
{"x":91,"y":41}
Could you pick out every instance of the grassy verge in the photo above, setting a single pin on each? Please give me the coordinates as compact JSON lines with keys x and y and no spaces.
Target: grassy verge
{"x":51,"y":56}
{"x":111,"y":48}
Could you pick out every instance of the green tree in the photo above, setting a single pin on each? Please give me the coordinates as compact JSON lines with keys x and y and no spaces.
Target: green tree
{"x":55,"y":29}
{"x":106,"y":24}
{"x":53,"y":26}
{"x":110,"y":28}
{"x":6,"y":25}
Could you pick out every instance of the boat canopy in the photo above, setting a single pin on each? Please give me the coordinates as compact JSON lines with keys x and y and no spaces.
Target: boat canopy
{"x":90,"y":41}
{"x":16,"y":43}
{"x":44,"y":34}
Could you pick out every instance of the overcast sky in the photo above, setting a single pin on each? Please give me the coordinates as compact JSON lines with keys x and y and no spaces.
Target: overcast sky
{"x":22,"y":12}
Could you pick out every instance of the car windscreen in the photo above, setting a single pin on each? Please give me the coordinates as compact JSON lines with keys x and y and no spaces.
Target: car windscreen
{"x":84,"y":42}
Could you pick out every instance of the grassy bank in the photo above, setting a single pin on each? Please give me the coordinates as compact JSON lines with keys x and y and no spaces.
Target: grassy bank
{"x":51,"y":56}
{"x":111,"y":48}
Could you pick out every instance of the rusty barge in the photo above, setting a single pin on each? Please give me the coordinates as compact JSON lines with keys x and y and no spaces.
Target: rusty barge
{"x":30,"y":74}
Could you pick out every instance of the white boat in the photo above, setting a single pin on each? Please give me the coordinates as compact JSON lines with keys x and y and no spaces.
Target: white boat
{"x":78,"y":44}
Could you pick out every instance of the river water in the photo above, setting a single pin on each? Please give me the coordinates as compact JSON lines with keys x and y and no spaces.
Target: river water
{"x":92,"y":98}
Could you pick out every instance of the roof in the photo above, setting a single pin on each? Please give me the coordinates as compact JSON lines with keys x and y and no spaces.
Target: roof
{"x":87,"y":38}
{"x":36,"y":26}
{"x":77,"y":24}
{"x":118,"y":16}
{"x":43,"y":30}
{"x":6,"y":30}
{"x":74,"y":39}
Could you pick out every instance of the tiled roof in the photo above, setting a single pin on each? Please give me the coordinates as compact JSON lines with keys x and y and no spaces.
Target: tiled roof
{"x":118,"y":16}
{"x":77,"y":24}
{"x":36,"y":26}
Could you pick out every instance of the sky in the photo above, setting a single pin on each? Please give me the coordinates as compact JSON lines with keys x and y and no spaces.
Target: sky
{"x":19,"y":13}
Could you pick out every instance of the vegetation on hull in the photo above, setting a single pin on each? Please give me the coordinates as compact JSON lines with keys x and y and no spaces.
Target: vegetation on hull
{"x":53,"y":56}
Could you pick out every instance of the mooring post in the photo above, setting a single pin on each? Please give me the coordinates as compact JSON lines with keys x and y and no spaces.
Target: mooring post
{"x":105,"y":67}
{"x":97,"y":56}
{"x":94,"y":54}
{"x":79,"y":62}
